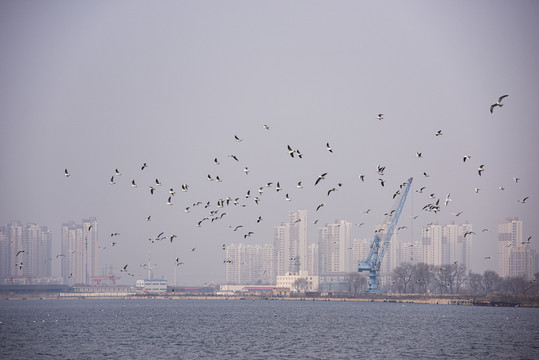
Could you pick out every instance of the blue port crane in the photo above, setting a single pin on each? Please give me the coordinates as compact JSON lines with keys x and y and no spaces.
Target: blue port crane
{"x":378,"y":247}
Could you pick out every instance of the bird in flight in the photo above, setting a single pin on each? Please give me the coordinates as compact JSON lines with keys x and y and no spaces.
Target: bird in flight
{"x":466,"y":157}
{"x":133,"y":184}
{"x":237,"y":138}
{"x":362,"y":177}
{"x":117,"y":172}
{"x":418,"y":155}
{"x":319,"y":206}
{"x":143,"y":166}
{"x":438,"y":133}
{"x":523,"y":201}
{"x":290,"y":151}
{"x":169,"y":202}
{"x":66,"y":173}
{"x":329,"y":148}
{"x":266,"y":127}
{"x":112,"y":180}
{"x":497,"y":103}
{"x":380,"y":116}
{"x":481,"y":169}
{"x":299,"y":186}
{"x":320,"y":177}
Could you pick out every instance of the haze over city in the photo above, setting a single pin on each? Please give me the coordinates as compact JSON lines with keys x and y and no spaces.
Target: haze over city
{"x":95,"y":87}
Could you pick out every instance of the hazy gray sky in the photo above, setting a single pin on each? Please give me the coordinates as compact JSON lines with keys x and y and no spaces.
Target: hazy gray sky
{"x":94,"y":86}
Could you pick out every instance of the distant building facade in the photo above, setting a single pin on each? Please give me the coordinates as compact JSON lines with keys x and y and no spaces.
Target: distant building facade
{"x":335,"y":248}
{"x":515,"y":257}
{"x":290,"y":244}
{"x":445,"y":244}
{"x":249,"y":264}
{"x":79,"y":251}
{"x":25,"y":254}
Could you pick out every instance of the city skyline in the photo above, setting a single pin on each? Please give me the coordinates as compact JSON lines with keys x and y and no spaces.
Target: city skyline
{"x":333,"y":251}
{"x":164,"y":118}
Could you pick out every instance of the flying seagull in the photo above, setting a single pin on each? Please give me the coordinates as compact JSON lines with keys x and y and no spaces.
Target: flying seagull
{"x":117,"y":172}
{"x":320,"y":177}
{"x":466,"y":157}
{"x":438,"y":133}
{"x":266,"y":127}
{"x":112,"y":180}
{"x":498,"y":103}
{"x":290,"y":151}
{"x":133,"y":183}
{"x":237,"y":138}
{"x":523,"y":200}
{"x":66,"y":173}
{"x":380,"y":116}
{"x":143,"y":166}
{"x":480,"y":169}
{"x":329,"y":148}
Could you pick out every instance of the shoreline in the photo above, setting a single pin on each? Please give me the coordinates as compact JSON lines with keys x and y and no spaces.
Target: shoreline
{"x":463,"y":300}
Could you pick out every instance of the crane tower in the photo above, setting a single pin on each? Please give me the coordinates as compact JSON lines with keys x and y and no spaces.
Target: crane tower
{"x":381,"y":241}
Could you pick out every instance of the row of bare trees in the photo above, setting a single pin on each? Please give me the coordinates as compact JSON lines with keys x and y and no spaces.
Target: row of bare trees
{"x":453,"y":279}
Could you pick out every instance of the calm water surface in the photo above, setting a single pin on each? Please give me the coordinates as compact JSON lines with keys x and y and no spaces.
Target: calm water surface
{"x":221,"y":329}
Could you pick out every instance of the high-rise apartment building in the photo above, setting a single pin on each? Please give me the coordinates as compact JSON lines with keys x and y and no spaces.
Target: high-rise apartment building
{"x":446,"y":244}
{"x":79,"y":251}
{"x":335,"y":248}
{"x":249,"y":264}
{"x":515,"y":257}
{"x":360,"y":250}
{"x":290,"y":244}
{"x":25,"y":253}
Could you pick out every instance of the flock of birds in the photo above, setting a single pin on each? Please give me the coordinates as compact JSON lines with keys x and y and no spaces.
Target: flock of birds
{"x":215,"y":209}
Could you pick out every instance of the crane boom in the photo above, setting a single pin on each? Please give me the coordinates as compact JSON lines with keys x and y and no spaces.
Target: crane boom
{"x":378,"y":247}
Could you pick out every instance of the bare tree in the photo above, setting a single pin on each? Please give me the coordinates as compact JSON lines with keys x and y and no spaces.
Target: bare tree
{"x":356,"y":282}
{"x":459,"y":277}
{"x":442,"y":279}
{"x":491,"y":282}
{"x":514,"y":285}
{"x":475,"y":283}
{"x":403,"y":276}
{"x":423,"y":277}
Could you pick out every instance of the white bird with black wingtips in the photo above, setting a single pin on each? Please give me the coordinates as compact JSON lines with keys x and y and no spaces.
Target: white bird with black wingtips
{"x":497,"y":103}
